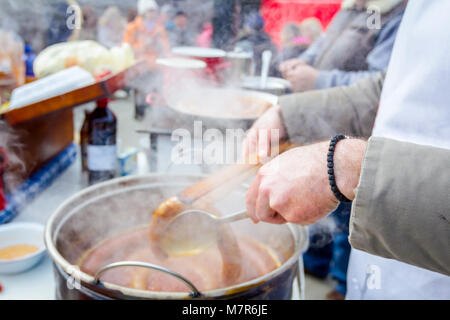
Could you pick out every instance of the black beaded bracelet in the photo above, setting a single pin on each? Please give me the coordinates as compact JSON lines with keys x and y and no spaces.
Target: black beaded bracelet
{"x":330,"y":164}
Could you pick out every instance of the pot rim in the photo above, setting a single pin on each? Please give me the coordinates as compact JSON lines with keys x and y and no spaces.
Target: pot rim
{"x":252,"y":83}
{"x":199,"y":52}
{"x":299,"y":234}
{"x":269,"y":97}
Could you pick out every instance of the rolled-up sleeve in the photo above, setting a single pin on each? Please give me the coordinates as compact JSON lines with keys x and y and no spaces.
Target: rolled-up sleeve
{"x":317,"y":115}
{"x":402,"y":205}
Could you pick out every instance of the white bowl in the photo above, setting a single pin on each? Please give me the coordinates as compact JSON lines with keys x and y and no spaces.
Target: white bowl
{"x":21,"y":233}
{"x":199,"y":52}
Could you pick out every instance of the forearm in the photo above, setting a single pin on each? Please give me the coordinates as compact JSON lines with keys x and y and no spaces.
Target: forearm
{"x":401,"y":209}
{"x":318,"y":115}
{"x":311,"y":53}
{"x":348,"y":157}
{"x":336,"y":78}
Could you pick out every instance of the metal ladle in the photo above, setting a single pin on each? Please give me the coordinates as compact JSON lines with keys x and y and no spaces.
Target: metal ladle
{"x":266,"y":57}
{"x":193,"y":231}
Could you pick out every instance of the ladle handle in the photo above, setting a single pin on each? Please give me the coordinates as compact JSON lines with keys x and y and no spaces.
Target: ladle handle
{"x":233,"y":175}
{"x":194,"y":294}
{"x":234,"y":217}
{"x":266,"y":57}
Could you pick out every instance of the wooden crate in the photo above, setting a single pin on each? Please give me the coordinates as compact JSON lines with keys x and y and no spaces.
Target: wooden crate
{"x":45,"y":137}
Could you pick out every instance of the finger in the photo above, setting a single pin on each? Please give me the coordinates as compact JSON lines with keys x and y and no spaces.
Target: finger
{"x":264,"y":211}
{"x":278,"y":219}
{"x":263,"y":143}
{"x":250,"y":199}
{"x":262,"y":208}
{"x":292,"y":73}
{"x":287,"y":65}
{"x":290,"y":76}
{"x":294,"y":62}
{"x":251,"y":147}
{"x":246,"y":146}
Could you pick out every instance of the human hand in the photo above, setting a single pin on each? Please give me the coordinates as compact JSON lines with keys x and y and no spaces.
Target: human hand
{"x":265,"y":132}
{"x":302,"y":78}
{"x":294,"y":186}
{"x":288,"y":65}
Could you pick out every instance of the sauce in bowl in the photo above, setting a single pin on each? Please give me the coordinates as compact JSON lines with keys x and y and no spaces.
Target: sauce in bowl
{"x":17,"y":251}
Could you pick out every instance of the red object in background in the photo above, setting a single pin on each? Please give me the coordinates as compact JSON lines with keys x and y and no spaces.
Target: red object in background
{"x":276,"y":13}
{"x":204,"y":39}
{"x":214,"y":59}
{"x":2,"y":200}
{"x":3,"y":162}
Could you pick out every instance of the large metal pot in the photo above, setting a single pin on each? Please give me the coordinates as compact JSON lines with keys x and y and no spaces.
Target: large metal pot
{"x":218,"y":118}
{"x":104,"y":210}
{"x":275,"y":86}
{"x":241,"y":66}
{"x":213,"y":57}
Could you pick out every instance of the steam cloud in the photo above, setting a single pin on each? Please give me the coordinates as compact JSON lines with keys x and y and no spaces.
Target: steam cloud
{"x":9,"y":142}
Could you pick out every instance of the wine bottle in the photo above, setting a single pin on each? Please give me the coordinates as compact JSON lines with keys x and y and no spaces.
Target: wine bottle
{"x":102,"y":140}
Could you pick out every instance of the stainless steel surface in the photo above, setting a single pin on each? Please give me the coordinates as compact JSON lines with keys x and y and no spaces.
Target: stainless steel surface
{"x":194,"y":293}
{"x":73,"y":222}
{"x":213,"y":219}
{"x":266,"y":57}
{"x":241,"y":66}
{"x":195,"y":230}
{"x":275,"y":86}
{"x":181,"y":63}
{"x":174,"y":103}
{"x":234,"y":217}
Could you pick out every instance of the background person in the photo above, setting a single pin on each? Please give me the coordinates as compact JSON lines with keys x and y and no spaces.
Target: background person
{"x":57,"y":23}
{"x":204,"y":39}
{"x":296,"y":38}
{"x":111,"y":27}
{"x":146,"y":35}
{"x":90,"y":20}
{"x":349,"y":50}
{"x":311,"y":28}
{"x":254,"y":39}
{"x":292,"y":42}
{"x":149,"y":41}
{"x":166,"y":16}
{"x":180,"y":34}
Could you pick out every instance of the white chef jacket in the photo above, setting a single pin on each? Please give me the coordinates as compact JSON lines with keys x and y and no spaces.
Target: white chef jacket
{"x":414,"y":107}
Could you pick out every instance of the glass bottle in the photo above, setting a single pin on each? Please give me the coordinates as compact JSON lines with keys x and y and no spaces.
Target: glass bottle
{"x":102,"y":141}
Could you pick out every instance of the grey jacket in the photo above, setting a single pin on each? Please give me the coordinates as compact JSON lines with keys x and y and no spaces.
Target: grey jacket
{"x":350,"y":51}
{"x":387,"y":219}
{"x":319,"y":115}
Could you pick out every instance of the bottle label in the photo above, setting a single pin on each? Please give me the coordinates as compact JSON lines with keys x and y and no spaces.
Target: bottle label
{"x":101,"y":158}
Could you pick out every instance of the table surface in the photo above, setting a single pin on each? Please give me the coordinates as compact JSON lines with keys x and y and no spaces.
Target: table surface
{"x":38,"y":283}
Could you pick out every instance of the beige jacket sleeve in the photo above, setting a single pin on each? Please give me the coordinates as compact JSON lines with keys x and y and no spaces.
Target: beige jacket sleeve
{"x":319,"y":115}
{"x":402,"y":205}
